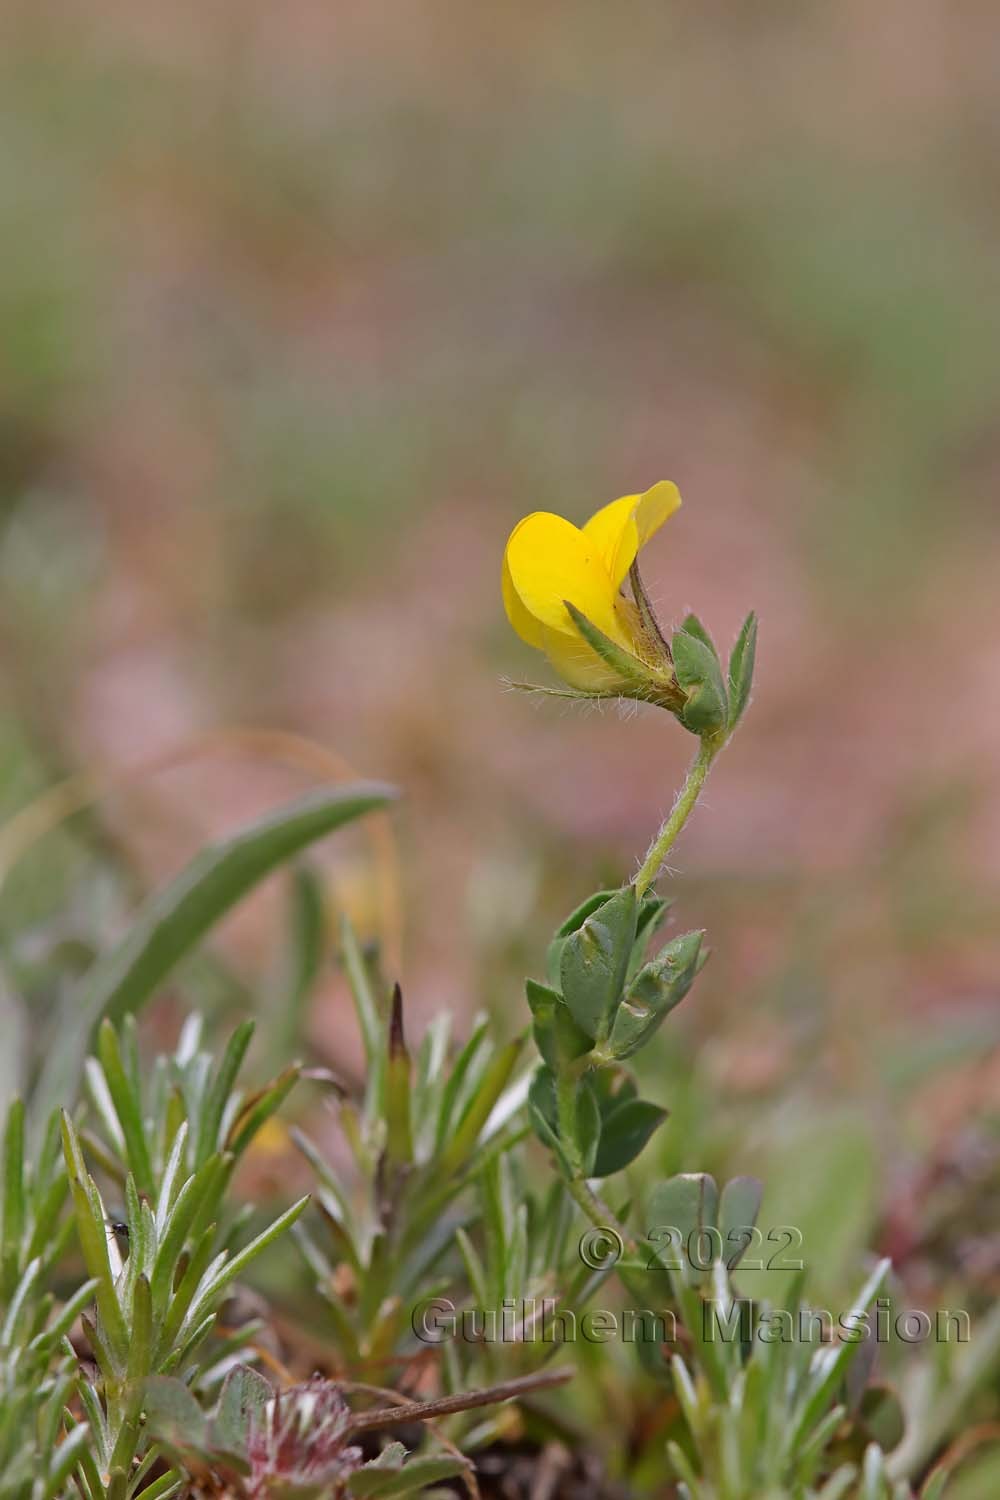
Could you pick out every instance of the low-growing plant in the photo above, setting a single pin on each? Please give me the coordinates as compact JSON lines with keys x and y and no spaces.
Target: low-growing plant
{"x":477,"y":1181}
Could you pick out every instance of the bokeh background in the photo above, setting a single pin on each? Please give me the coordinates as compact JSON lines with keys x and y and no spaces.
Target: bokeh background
{"x":302,"y":306}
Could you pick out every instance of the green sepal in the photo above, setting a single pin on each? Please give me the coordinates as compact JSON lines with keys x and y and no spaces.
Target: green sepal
{"x":594,"y":962}
{"x":557,"y":1036}
{"x":653,"y":637}
{"x":741,"y":666}
{"x":625,"y":1129}
{"x":699,"y":673}
{"x":655,"y":991}
{"x":637,"y":679}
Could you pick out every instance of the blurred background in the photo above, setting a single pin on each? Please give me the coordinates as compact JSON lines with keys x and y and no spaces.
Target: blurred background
{"x":303,"y":306}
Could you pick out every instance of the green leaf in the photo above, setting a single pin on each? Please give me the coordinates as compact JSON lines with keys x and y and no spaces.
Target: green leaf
{"x":543,"y":1110}
{"x":557,"y":1035}
{"x":839,"y":1484}
{"x":934,"y":1485}
{"x":369,"y":1012}
{"x":91,"y":1228}
{"x":376,"y":1480}
{"x":65,"y":1460}
{"x":579,"y":914}
{"x":544,"y":1116}
{"x":183,"y":1295}
{"x":481,"y":1105}
{"x":624,"y":1132}
{"x":652,"y":913}
{"x":657,"y":989}
{"x":138,"y":1365}
{"x":574,"y":921}
{"x":542,"y":1002}
{"x":739,"y":1205}
{"x":12,"y":1170}
{"x":190,"y":1202}
{"x":741,"y":666}
{"x":242,"y":1400}
{"x":10,"y":1330}
{"x":687,"y":1202}
{"x":167,"y":1487}
{"x":176,"y":918}
{"x":587,"y":1125}
{"x":873,"y":1475}
{"x":66,"y":1317}
{"x":307,"y":931}
{"x":214,"y":1105}
{"x":126,"y":1106}
{"x":881,"y":1412}
{"x":594,"y":962}
{"x":700,"y":675}
{"x":831,"y":1365}
{"x":259,"y":1107}
{"x":456,"y":1078}
{"x":173,"y":1415}
{"x":691,"y":625}
{"x":393,"y":1456}
{"x":228,"y":1273}
{"x":399,"y":1074}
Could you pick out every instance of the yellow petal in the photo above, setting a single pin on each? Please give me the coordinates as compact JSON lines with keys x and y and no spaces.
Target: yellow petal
{"x":578,"y":664}
{"x":527,"y":627}
{"x":549,"y":560}
{"x":618,"y":530}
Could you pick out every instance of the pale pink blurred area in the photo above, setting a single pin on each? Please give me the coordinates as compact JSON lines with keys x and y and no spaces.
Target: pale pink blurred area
{"x":310,"y":304}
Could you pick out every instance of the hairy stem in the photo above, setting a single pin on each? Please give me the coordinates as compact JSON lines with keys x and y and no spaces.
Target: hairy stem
{"x":597,"y":1210}
{"x":681,"y":811}
{"x":566,"y":1082}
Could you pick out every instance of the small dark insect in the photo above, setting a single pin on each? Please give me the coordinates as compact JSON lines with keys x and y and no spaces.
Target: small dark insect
{"x":120,"y":1231}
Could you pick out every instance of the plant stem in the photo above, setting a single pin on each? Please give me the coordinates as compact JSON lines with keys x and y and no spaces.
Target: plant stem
{"x":423,"y":1411}
{"x":566,"y":1082}
{"x":681,"y":811}
{"x":600,"y":1215}
{"x":597,"y":1210}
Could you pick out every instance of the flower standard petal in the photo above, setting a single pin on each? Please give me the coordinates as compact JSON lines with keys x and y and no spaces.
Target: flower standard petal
{"x":618,"y":530}
{"x":549,"y":560}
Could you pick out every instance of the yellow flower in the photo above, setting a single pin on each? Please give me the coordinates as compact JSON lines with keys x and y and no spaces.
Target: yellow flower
{"x":549,"y":562}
